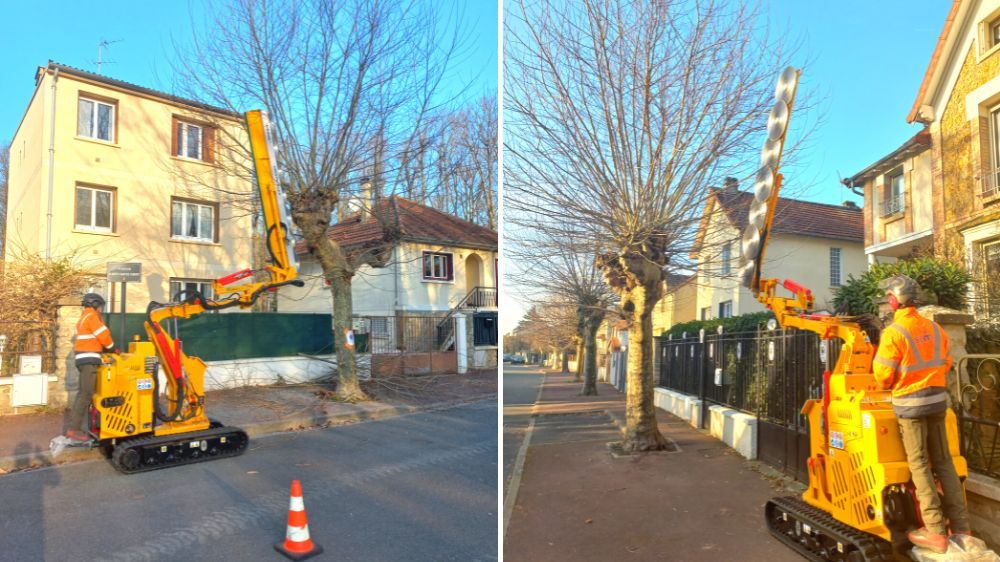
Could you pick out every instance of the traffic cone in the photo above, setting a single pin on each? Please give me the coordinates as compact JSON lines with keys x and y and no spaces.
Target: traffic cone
{"x":297,"y":544}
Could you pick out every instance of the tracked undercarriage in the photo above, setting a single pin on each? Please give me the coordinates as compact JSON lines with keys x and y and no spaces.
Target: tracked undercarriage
{"x":816,"y":535}
{"x":142,"y":454}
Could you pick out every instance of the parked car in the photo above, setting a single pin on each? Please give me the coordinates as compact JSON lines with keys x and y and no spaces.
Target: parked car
{"x":516,"y":360}
{"x":508,"y":357}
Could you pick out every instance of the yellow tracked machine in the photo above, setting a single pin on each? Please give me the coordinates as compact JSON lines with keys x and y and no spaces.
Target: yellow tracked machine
{"x":142,"y":426}
{"x":860,"y":501}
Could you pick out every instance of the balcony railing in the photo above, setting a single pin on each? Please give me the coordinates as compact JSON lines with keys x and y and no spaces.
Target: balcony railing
{"x":480,"y":297}
{"x":989,"y":183}
{"x":893,"y":206}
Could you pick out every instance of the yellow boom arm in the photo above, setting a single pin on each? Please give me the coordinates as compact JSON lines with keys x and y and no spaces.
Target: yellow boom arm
{"x":281,"y":272}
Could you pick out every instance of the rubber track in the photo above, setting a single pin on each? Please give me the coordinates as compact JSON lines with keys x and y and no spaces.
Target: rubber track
{"x":216,"y":430}
{"x":871,"y":548}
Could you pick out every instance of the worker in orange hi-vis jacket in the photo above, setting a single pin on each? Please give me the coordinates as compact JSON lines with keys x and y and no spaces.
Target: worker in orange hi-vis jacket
{"x":912,"y":360}
{"x":92,"y":339}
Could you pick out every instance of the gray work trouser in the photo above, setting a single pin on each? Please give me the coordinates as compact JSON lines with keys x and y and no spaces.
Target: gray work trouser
{"x":88,"y":379}
{"x":926,"y":442}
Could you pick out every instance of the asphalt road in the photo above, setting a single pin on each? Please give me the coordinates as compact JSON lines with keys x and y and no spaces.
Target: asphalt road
{"x":520,"y":390}
{"x":415,"y":487}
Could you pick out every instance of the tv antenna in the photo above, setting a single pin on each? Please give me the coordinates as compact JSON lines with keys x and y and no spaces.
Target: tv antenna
{"x":104,"y":43}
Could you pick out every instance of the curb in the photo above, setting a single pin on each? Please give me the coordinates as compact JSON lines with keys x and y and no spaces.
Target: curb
{"x":44,"y":458}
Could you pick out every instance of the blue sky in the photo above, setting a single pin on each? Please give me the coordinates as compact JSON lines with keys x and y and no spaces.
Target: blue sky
{"x":862,"y":62}
{"x":69,"y":32}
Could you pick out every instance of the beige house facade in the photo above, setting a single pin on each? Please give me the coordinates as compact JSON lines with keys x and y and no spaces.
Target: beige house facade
{"x":898,"y":208}
{"x":679,"y":303}
{"x":814,"y":244}
{"x":439,"y":262}
{"x":106,"y":171}
{"x":958,"y":103}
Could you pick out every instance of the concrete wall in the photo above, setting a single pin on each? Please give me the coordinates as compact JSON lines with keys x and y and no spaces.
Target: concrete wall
{"x":139,"y":168}
{"x":28,"y":164}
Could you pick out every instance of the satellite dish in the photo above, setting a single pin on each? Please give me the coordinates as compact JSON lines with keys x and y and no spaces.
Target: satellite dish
{"x":777,"y":121}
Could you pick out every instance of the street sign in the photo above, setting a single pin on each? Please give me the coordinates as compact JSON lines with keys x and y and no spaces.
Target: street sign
{"x":124,"y":272}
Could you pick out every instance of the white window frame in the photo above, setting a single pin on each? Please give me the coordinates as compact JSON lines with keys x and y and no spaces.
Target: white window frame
{"x":836,"y":273}
{"x":204,"y":286}
{"x":444,"y":274}
{"x":185,"y":206}
{"x":182,"y":141}
{"x":92,"y":226}
{"x":92,"y":134}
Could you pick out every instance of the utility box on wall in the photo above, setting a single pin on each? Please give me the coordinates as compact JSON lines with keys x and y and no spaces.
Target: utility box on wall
{"x":30,"y":390}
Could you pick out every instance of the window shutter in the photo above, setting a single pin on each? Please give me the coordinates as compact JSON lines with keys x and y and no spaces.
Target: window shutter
{"x":173,"y":136}
{"x":208,"y":150}
{"x":215,"y":217}
{"x":451,"y":269}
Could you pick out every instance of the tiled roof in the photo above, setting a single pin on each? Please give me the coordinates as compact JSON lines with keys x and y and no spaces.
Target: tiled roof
{"x":65,"y":68}
{"x":792,"y":216}
{"x":416,"y":223}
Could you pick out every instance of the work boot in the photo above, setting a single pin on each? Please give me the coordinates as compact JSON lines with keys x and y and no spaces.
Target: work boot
{"x":77,"y":435}
{"x":926,"y":539}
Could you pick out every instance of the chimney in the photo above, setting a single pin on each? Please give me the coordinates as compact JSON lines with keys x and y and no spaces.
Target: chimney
{"x":730,"y":184}
{"x":850,"y":204}
{"x":366,"y":198}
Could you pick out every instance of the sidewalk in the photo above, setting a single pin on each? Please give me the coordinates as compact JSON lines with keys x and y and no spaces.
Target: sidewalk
{"x":24,"y":439}
{"x":576,"y":502}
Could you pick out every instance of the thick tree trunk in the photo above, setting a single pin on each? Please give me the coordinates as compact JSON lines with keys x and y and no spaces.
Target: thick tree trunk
{"x":565,"y":361}
{"x":348,"y":388}
{"x":578,"y":376}
{"x":641,"y":432}
{"x":590,"y":356}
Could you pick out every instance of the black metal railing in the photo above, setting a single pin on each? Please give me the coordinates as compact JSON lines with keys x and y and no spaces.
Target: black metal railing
{"x":979,"y":412}
{"x":893,"y":205}
{"x":480,"y":297}
{"x":766,"y":373}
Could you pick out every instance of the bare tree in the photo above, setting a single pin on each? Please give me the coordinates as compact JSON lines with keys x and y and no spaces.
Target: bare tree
{"x":564,"y":272}
{"x":618,"y":115}
{"x":452,"y":166}
{"x":549,"y":327}
{"x":338,"y":77}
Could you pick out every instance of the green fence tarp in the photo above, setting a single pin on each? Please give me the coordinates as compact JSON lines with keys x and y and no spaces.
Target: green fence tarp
{"x":227,"y":336}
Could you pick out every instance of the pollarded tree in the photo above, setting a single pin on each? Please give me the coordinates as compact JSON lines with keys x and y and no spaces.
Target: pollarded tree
{"x":347,"y":84}
{"x":618,"y":116}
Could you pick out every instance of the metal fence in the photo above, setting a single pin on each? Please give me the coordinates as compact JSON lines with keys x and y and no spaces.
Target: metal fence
{"x":408,"y":345}
{"x":979,"y":412}
{"x":767,"y":373}
{"x":402,"y":334}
